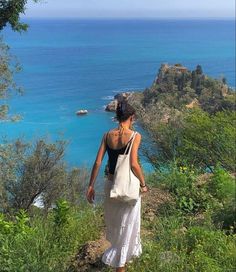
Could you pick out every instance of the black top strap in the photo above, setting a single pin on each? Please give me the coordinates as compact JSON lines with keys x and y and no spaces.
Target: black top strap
{"x":130,"y":140}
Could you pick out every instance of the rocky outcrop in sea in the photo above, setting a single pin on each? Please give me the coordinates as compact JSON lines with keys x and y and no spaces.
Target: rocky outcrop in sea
{"x":111,"y":106}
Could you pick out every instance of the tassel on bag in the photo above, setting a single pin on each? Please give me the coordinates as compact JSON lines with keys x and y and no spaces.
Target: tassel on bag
{"x":125,"y":185}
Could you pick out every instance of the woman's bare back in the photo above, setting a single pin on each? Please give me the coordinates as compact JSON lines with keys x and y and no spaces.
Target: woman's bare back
{"x":116,"y":139}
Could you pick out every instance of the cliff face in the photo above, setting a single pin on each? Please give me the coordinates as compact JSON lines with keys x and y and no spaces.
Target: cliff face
{"x":176,"y":70}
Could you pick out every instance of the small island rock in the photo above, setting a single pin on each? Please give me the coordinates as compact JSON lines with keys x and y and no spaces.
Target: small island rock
{"x":118,"y":98}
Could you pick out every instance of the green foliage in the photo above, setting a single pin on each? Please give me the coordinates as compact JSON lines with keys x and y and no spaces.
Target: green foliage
{"x":178,"y":179}
{"x":215,"y":95}
{"x":32,"y":244}
{"x":222,"y":185}
{"x":61,"y":213}
{"x":175,"y":86}
{"x":182,"y":182}
{"x":204,"y":255}
{"x":175,"y":247}
{"x":195,"y":138}
{"x":224,"y":217}
{"x":190,"y":118}
{"x":165,"y":140}
{"x":9,"y":66}
{"x":208,"y":140}
{"x":187,"y":204}
{"x":10,"y":13}
{"x":212,"y":194}
{"x":30,"y":171}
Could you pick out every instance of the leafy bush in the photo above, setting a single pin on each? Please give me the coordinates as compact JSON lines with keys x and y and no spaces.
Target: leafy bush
{"x":222,"y":185}
{"x":46,"y":243}
{"x":204,"y":255}
{"x":182,"y":183}
{"x":61,"y":213}
{"x":208,"y":141}
{"x":192,"y":137}
{"x":177,"y":248}
{"x":33,"y":170}
{"x":224,"y":217}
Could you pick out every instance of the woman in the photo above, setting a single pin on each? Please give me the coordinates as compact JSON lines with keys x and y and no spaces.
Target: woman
{"x":122,"y":220}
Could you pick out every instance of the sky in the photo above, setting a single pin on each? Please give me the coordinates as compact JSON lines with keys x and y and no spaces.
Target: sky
{"x":132,"y":8}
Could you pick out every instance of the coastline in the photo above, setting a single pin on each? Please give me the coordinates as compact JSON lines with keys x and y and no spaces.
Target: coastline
{"x":62,"y":75}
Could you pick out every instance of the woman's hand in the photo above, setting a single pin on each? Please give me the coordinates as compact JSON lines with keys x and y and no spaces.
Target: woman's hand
{"x":90,"y":194}
{"x":144,"y":189}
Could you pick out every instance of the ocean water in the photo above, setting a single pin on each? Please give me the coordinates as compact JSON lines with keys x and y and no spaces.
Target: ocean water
{"x":72,"y":64}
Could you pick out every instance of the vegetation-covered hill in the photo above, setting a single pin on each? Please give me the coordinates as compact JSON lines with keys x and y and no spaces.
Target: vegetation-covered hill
{"x":190,"y":118}
{"x":176,"y":88}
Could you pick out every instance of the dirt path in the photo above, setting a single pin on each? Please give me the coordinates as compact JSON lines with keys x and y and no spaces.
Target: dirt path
{"x":89,"y":256}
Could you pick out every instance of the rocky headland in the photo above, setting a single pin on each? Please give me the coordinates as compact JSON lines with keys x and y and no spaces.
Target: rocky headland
{"x":111,"y":106}
{"x":176,"y":89}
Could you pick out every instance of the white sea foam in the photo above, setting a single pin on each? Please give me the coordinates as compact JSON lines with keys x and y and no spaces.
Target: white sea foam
{"x":108,"y":97}
{"x":131,"y":89}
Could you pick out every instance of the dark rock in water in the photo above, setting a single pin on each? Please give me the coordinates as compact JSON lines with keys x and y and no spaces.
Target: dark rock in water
{"x":112,"y":105}
{"x":118,"y":98}
{"x":122,"y":96}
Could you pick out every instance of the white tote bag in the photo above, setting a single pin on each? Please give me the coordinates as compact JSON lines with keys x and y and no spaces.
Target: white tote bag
{"x":125,"y":186}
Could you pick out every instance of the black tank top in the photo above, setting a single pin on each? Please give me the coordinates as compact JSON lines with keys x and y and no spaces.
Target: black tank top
{"x":113,"y":156}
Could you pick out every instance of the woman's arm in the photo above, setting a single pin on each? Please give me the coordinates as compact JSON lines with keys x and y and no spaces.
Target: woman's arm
{"x":101,"y":152}
{"x":98,"y":161}
{"x":135,"y":166}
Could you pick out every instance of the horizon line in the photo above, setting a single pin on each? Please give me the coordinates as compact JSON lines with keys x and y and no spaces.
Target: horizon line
{"x":128,"y":18}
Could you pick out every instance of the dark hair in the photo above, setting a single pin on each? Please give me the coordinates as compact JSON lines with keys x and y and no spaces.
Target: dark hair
{"x":124,"y":110}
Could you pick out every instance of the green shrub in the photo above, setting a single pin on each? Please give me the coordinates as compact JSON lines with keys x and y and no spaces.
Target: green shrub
{"x":193,"y":137}
{"x":176,"y":179}
{"x":224,"y":217}
{"x":210,"y":249}
{"x":222,"y":185}
{"x":47,"y":243}
{"x":182,"y":183}
{"x":177,"y":248}
{"x":61,"y":216}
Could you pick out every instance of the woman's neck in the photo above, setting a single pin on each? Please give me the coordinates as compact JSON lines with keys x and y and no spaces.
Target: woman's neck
{"x":124,"y":125}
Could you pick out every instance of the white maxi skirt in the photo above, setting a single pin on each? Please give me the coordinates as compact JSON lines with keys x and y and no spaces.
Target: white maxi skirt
{"x":122,"y":222}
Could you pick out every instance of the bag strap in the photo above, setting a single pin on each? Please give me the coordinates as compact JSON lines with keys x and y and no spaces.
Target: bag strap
{"x":130,"y":143}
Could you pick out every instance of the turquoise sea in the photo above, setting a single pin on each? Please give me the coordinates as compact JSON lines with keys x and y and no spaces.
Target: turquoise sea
{"x":72,"y":64}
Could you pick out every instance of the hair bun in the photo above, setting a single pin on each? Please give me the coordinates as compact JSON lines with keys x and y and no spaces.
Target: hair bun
{"x":124,"y":110}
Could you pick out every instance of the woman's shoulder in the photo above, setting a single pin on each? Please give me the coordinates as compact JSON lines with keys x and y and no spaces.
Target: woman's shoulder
{"x":137,"y":135}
